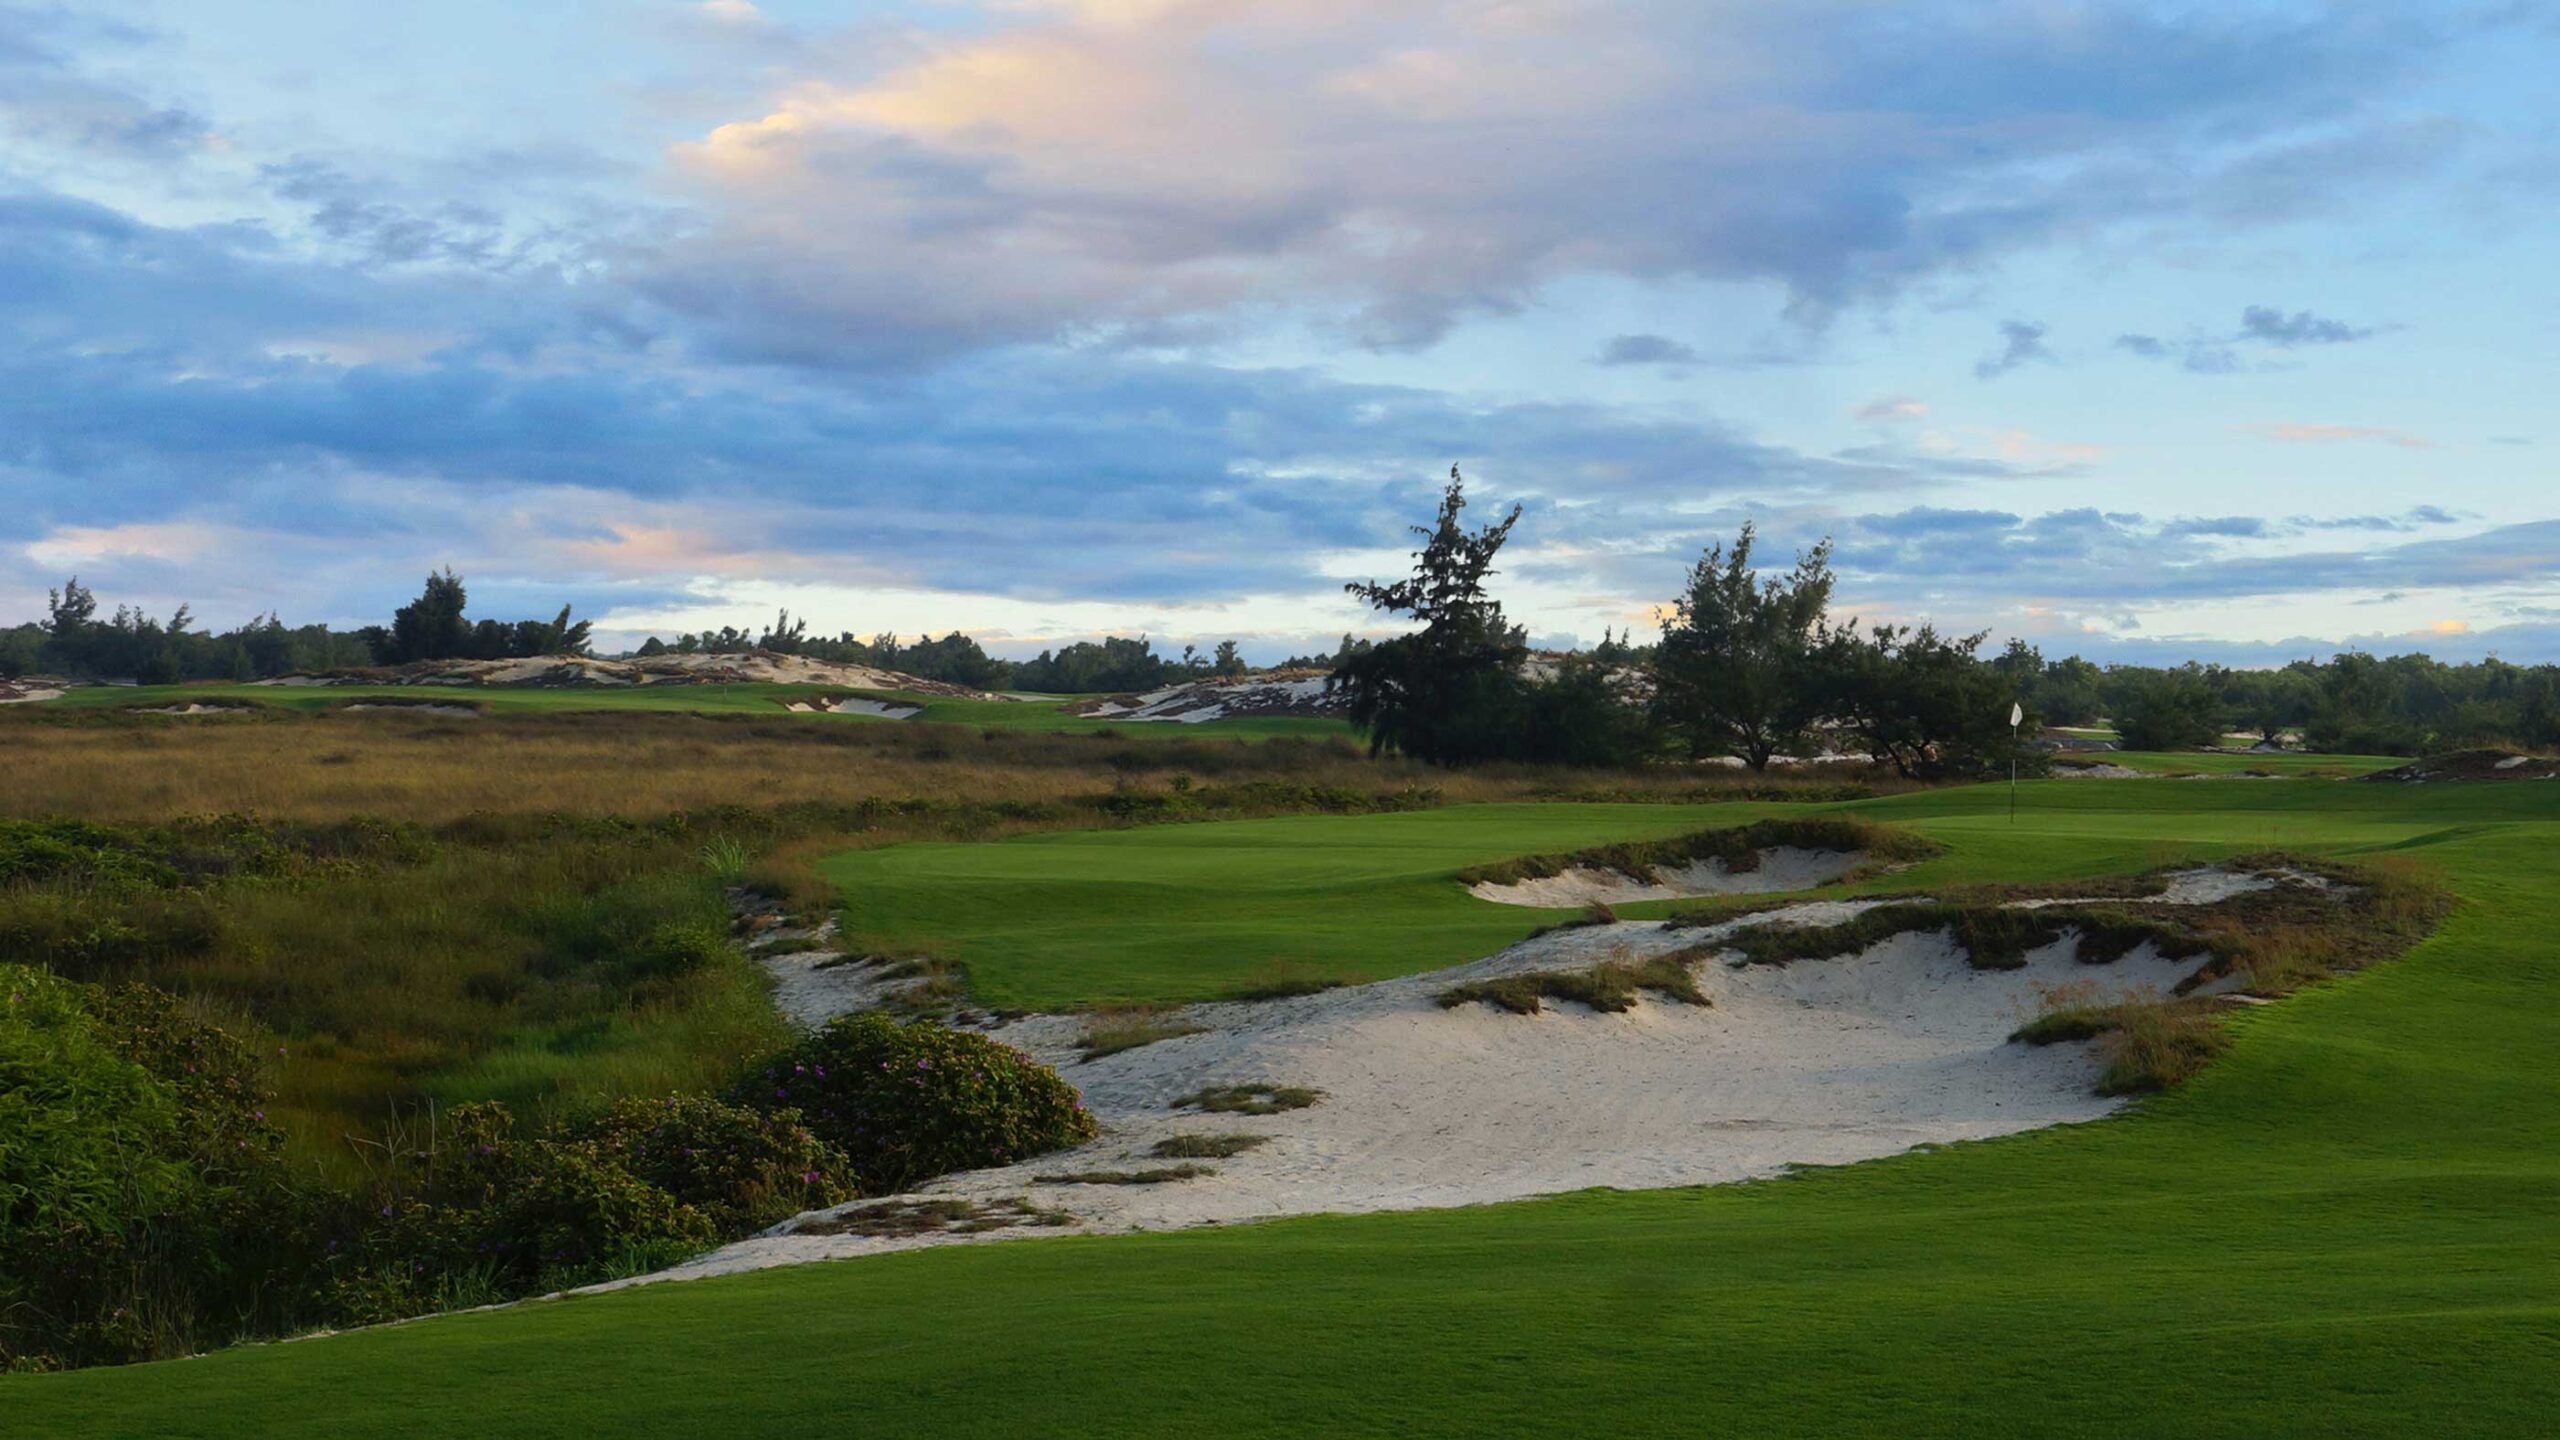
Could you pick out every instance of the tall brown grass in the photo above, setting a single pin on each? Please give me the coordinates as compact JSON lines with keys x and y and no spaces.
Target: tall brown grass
{"x":432,"y":770}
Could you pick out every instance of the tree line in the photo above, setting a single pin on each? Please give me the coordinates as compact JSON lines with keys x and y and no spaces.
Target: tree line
{"x":1749,"y":665}
{"x":72,"y":640}
{"x":1754,"y":666}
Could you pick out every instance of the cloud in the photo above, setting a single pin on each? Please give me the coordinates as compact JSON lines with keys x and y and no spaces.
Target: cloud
{"x":48,"y":99}
{"x":2260,"y":325}
{"x":1645,"y":350}
{"x":1892,"y":409}
{"x":2274,"y":327}
{"x":1082,"y":169}
{"x":2021,"y":342}
{"x":2294,"y":433}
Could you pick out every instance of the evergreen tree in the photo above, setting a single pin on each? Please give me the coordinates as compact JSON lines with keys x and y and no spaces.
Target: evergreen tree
{"x":430,"y":627}
{"x":1741,"y":667}
{"x":1449,"y":692}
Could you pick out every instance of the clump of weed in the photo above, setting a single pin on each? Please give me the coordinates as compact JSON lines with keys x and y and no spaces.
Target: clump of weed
{"x":1286,"y":989}
{"x":1994,"y":937}
{"x":1161,"y":1175}
{"x":1593,"y":915}
{"x":1611,"y":986}
{"x":903,"y":1218}
{"x":1249,"y":1099}
{"x":1739,"y":847}
{"x":1112,"y":1031}
{"x":2147,"y":1043}
{"x":1206,"y":1147}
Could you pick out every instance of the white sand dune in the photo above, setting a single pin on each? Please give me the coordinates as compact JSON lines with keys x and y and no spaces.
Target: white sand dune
{"x":1813,"y":1063}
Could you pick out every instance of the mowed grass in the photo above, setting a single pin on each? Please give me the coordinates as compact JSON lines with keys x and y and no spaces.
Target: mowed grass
{"x":1047,"y":715}
{"x":1195,"y":912}
{"x":2348,"y":1226}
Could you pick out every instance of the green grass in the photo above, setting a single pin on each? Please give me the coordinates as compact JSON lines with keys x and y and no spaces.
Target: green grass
{"x":1047,"y":715}
{"x":2347,"y":1226}
{"x":1177,"y":913}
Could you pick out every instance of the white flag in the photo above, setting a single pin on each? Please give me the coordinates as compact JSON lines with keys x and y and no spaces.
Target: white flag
{"x":2017,"y":712}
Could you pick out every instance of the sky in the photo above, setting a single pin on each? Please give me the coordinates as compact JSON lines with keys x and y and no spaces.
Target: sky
{"x":2146,"y":332}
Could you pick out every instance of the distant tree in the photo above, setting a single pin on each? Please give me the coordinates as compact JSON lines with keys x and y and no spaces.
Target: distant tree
{"x":1229,"y":660}
{"x":2179,"y":709}
{"x":1922,"y":702}
{"x":1740,"y":667}
{"x":651,"y":646}
{"x":786,"y":636}
{"x":430,"y":627}
{"x":1449,"y":692}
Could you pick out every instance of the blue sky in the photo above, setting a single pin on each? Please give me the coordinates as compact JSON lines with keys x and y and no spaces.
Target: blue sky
{"x":2144,"y":331}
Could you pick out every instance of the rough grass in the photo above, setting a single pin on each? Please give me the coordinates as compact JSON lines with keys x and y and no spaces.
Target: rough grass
{"x":1160,"y":1175}
{"x":1249,"y":1099}
{"x":2277,"y":939}
{"x":1610,"y":986}
{"x":2147,"y":1043}
{"x":901,"y":1218}
{"x":1739,"y":847}
{"x":1112,"y":1031}
{"x":1994,"y":938}
{"x":1206,"y":1147}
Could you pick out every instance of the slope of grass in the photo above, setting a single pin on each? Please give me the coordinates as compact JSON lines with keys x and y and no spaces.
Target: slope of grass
{"x":1197,"y":912}
{"x":2348,"y":1226}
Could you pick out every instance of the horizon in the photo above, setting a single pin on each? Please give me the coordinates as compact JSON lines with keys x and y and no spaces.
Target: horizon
{"x":2141,"y":334}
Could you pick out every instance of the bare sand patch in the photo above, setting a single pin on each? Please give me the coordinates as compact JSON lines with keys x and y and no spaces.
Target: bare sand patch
{"x":1780,"y":869}
{"x":1817,"y":1062}
{"x":453,"y":712}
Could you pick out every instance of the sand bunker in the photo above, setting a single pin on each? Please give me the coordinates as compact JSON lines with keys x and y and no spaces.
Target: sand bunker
{"x":1781,"y":869}
{"x":193,"y":708}
{"x":855,"y":705}
{"x":455,"y":712}
{"x":2463,"y":766}
{"x":1816,"y":1062}
{"x":1194,"y":702}
{"x":11,"y":694}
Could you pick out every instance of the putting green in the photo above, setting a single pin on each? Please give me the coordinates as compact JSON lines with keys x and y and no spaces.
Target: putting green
{"x":2348,"y":1226}
{"x":1195,"y":912}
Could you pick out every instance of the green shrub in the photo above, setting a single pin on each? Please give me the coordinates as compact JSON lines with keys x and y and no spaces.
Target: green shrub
{"x":909,"y":1102}
{"x":469,"y":1210}
{"x":142,"y":1195}
{"x":744,"y":1169}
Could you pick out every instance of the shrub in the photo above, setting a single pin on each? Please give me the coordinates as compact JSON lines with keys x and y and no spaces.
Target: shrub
{"x":470,"y":1211}
{"x":139,"y":1181}
{"x":906,"y":1102}
{"x":742,"y":1168}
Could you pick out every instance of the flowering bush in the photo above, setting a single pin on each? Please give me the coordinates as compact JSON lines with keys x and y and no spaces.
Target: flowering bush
{"x":745,"y":1169}
{"x":908,"y":1102}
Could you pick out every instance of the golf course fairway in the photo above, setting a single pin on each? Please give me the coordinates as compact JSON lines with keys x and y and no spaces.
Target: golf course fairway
{"x":2347,"y":1226}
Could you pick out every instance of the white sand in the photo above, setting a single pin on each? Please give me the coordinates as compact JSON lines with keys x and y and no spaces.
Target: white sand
{"x":1818,"y":1062}
{"x":454,"y":712}
{"x":2207,"y":885}
{"x":1194,"y":702}
{"x":884,"y":709}
{"x":2096,"y":772}
{"x":196,"y":709}
{"x":1782,"y":869}
{"x":13,"y":695}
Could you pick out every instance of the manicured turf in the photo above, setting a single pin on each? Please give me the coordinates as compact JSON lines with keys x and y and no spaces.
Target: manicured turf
{"x":1046,"y":714}
{"x":1193,"y":912}
{"x":2349,"y":1226}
